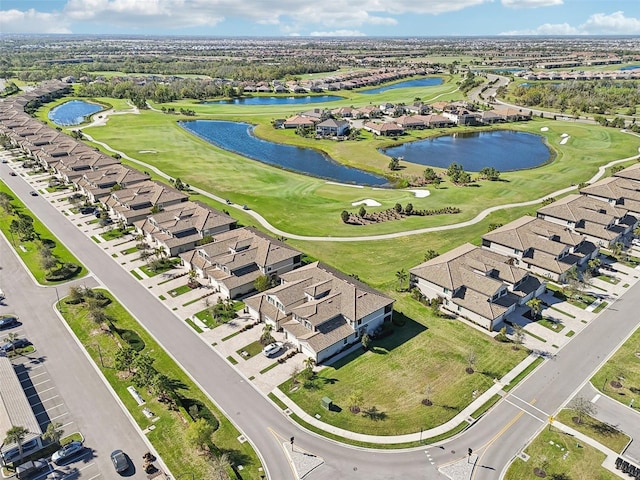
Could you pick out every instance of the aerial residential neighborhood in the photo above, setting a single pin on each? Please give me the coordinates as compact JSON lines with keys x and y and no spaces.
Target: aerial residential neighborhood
{"x":262,"y":243}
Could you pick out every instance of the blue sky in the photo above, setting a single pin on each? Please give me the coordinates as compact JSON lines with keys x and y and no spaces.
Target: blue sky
{"x":322,"y":18}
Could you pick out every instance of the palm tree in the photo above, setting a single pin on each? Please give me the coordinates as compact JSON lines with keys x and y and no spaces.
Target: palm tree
{"x":221,"y":465}
{"x":309,"y":363}
{"x":401,"y":275}
{"x":354,"y":401}
{"x":266,"y":338}
{"x":16,"y":435}
{"x":11,"y":337}
{"x":54,"y":432}
{"x":535,"y":304}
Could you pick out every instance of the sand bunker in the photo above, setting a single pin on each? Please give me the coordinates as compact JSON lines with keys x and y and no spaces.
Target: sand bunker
{"x":421,"y":193}
{"x":544,"y":129}
{"x":565,"y":137}
{"x":369,"y":202}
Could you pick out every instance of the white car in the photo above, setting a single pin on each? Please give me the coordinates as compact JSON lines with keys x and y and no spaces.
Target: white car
{"x":272,"y":349}
{"x":66,"y":452}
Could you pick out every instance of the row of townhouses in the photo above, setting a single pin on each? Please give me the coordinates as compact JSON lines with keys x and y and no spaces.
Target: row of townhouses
{"x":321,"y":311}
{"x":488,"y":283}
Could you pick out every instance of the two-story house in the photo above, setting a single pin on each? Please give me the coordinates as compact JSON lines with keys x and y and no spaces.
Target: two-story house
{"x":233,"y":260}
{"x":602,"y":223}
{"x":544,"y":248}
{"x":321,"y":310}
{"x":477,"y":284}
{"x":137,"y":202}
{"x":180,"y":227}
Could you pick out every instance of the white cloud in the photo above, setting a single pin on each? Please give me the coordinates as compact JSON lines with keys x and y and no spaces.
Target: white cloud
{"x":338,"y":33}
{"x":597,"y":24}
{"x":32,"y":21}
{"x":333,"y":14}
{"x":616,"y":23}
{"x":547,"y":29}
{"x":531,"y":3}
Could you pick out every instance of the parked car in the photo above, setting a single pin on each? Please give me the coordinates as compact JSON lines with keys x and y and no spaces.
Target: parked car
{"x":14,"y":344}
{"x":86,"y":210}
{"x":66,"y":452}
{"x":13,"y":174}
{"x":8,"y":322}
{"x":12,"y":455}
{"x":32,"y":466}
{"x":272,"y":349}
{"x":33,"y":193}
{"x":97,"y":213}
{"x":120,"y":462}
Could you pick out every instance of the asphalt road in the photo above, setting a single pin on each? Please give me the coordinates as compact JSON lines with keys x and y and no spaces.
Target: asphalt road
{"x":92,"y":409}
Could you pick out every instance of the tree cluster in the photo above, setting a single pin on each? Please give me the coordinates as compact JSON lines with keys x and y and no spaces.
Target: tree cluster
{"x":457,"y":174}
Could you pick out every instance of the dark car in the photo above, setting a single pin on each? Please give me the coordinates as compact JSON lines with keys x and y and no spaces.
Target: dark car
{"x":8,"y":322}
{"x":120,"y":462}
{"x":14,"y":344}
{"x":33,"y":193}
{"x":12,"y":455}
{"x":86,"y":210}
{"x":12,"y":173}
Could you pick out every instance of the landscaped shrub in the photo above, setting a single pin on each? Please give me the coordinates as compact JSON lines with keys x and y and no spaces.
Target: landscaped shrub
{"x":133,"y":339}
{"x":65,"y":272}
{"x":192,"y":406}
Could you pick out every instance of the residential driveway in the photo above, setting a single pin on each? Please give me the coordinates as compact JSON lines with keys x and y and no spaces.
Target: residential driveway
{"x":569,"y":319}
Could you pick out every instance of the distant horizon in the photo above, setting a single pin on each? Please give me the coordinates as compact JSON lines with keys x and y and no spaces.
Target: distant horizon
{"x":328,"y":19}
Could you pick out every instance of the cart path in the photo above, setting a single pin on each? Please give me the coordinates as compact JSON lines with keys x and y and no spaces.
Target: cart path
{"x":387,"y":236}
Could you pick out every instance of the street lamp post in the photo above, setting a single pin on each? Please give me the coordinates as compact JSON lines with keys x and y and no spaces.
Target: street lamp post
{"x":99,"y":354}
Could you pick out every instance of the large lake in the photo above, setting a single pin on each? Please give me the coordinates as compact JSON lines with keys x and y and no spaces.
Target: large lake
{"x":419,"y":82}
{"x":503,"y":150}
{"x":73,"y":112}
{"x":257,"y":101}
{"x":238,"y":137}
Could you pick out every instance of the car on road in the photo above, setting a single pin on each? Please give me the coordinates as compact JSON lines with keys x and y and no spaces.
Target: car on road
{"x":14,"y":344}
{"x":120,"y":462}
{"x":244,"y":207}
{"x":33,"y":193}
{"x":272,"y":349}
{"x":13,"y":174}
{"x":8,"y":322}
{"x":4,"y":160}
{"x":66,"y":452}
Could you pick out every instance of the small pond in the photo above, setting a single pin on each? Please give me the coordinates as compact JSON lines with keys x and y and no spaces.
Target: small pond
{"x":238,"y":137}
{"x":73,"y":112}
{"x":419,"y":82}
{"x":258,"y":101}
{"x":503,"y":150}
{"x":630,"y":67}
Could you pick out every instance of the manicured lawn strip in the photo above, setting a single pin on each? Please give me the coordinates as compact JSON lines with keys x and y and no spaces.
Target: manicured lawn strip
{"x":570,"y":333}
{"x":206,"y":317}
{"x":277,"y":401}
{"x":31,"y":257}
{"x":486,"y":406}
{"x":181,"y":290}
{"x":152,"y":273}
{"x":551,"y":325}
{"x":253,"y":349}
{"x":394,"y":373}
{"x":527,"y":332}
{"x":224,"y":339}
{"x":608,"y":279}
{"x":624,"y":367}
{"x":607,"y":435}
{"x":581,"y":462}
{"x":600,"y":307}
{"x":136,"y":274}
{"x":562,"y":311}
{"x":115,"y":233}
{"x":232,"y":360}
{"x":193,"y":325}
{"x":523,"y":374}
{"x":266,"y":369}
{"x":168,"y":436}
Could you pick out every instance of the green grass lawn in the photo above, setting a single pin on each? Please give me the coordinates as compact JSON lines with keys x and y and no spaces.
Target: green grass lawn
{"x":608,"y":279}
{"x":149,"y":272}
{"x":168,"y":436}
{"x":622,"y":367}
{"x":606,"y":434}
{"x":551,"y":325}
{"x":30,"y":253}
{"x":583,"y":462}
{"x":253,"y":349}
{"x":181,"y":290}
{"x":114,"y":233}
{"x":394,"y":374}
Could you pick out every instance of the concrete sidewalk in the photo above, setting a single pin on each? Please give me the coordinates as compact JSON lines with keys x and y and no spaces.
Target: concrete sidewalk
{"x":463,"y":416}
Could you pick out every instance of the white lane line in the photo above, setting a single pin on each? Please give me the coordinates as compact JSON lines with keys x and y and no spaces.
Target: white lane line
{"x":596,"y":398}
{"x":525,"y":411}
